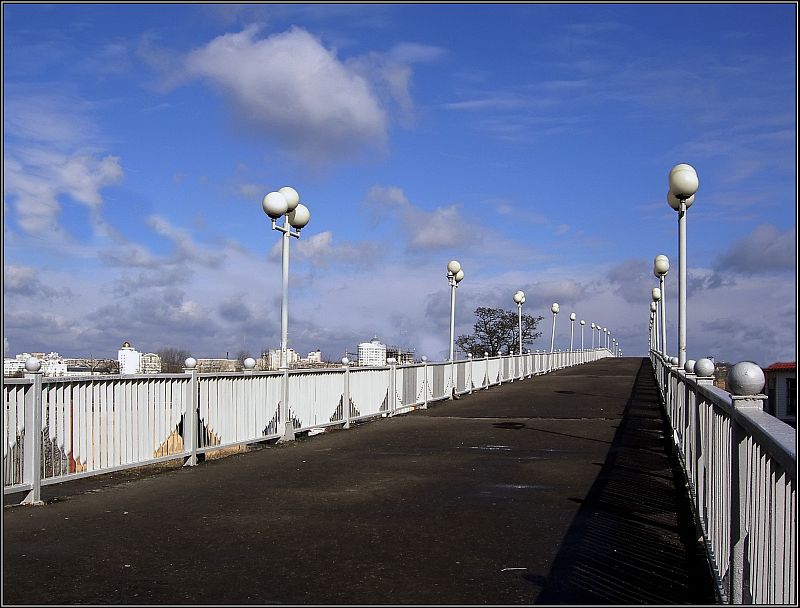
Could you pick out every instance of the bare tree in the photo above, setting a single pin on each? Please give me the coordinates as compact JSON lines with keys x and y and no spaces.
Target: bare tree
{"x":496,"y":332}
{"x":173,"y":360}
{"x":243,"y":354}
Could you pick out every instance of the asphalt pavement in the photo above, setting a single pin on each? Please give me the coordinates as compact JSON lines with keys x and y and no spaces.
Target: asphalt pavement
{"x":559,"y":489}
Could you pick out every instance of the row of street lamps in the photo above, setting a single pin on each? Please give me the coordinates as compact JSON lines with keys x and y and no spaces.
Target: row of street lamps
{"x":454,"y":276}
{"x":285,"y":203}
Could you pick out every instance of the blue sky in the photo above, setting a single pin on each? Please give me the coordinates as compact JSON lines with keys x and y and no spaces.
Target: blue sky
{"x":531,"y":142}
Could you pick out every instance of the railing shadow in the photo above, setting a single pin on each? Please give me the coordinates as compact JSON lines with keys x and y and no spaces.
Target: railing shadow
{"x":633,"y":540}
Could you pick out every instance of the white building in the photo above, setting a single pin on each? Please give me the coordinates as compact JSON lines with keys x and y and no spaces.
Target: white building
{"x":150,"y":363}
{"x":130,"y":359}
{"x":314,"y":357}
{"x":53,"y":365}
{"x":292,"y":358}
{"x":372,"y":353}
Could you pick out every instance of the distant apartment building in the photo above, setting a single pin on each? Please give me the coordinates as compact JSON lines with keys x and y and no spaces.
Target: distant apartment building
{"x":274,"y":358}
{"x":53,"y":365}
{"x":150,"y":363}
{"x":401,"y":355}
{"x":781,"y":389}
{"x":372,"y":353}
{"x":314,"y":357}
{"x":218,"y":365}
{"x":129,"y":358}
{"x":131,"y":361}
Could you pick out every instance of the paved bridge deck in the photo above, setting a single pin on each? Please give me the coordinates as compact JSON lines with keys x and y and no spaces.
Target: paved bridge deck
{"x":558,"y":490}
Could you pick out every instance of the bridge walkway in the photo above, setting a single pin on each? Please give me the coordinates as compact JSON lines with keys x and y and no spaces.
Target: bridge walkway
{"x":558,"y":489}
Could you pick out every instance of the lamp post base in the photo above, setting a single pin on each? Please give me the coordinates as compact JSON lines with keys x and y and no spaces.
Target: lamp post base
{"x":288,"y":433}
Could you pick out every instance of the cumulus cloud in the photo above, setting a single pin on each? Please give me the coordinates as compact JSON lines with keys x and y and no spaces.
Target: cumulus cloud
{"x":439,"y":228}
{"x":766,"y":249}
{"x":289,"y":86}
{"x":632,"y":280}
{"x":25,"y":281}
{"x":50,"y":154}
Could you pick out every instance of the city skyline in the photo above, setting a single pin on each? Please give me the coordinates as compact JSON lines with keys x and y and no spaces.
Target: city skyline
{"x":530,"y":142}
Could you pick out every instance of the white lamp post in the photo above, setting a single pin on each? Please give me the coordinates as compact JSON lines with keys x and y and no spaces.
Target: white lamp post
{"x":656,"y":294}
{"x":455,"y":275}
{"x":286,"y":202}
{"x":519,"y":298}
{"x":683,"y":184}
{"x":660,"y":269}
{"x":592,"y":336}
{"x":605,"y":331}
{"x":554,"y":309}
{"x":572,"y":318}
{"x":583,"y":354}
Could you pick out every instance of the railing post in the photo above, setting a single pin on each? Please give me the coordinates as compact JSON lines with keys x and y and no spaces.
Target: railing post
{"x":424,"y":383}
{"x":190,"y":417}
{"x":471,"y":362}
{"x":392,"y":385}
{"x":32,"y":447}
{"x":346,"y":394}
{"x":745,"y":381}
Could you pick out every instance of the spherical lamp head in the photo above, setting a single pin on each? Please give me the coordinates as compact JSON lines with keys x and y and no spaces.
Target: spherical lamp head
{"x":518,"y":297}
{"x":32,"y":364}
{"x":656,"y":294}
{"x":459,"y":276}
{"x":299,"y":216}
{"x":453,"y":266}
{"x":704,"y":368}
{"x":675,"y":202}
{"x":746,"y":378}
{"x":683,"y":181}
{"x":291,"y":196}
{"x":583,"y":322}
{"x":554,"y":308}
{"x":572,"y":316}
{"x":653,"y":306}
{"x":661,"y":265}
{"x":275,"y":205}
{"x":592,"y":325}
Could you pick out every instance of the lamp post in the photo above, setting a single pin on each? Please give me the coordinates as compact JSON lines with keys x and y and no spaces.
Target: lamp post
{"x":583,"y":354}
{"x":572,"y":318}
{"x":592,"y":336}
{"x":286,"y":202}
{"x":554,"y":309}
{"x":683,"y":184}
{"x":660,"y":269}
{"x":455,"y":274}
{"x":656,"y":294}
{"x":519,"y":298}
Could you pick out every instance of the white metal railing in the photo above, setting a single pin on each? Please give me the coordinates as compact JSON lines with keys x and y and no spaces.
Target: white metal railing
{"x":57,"y":429}
{"x":740,"y":463}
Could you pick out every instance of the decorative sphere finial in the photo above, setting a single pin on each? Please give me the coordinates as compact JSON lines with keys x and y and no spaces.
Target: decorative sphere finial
{"x":704,"y":368}
{"x":190,"y":363}
{"x":249,"y":363}
{"x":746,"y":378}
{"x":32,"y":364}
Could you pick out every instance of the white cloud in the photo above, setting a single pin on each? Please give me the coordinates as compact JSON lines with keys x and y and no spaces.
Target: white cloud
{"x":766,"y":249}
{"x":291,"y":87}
{"x":51,"y":152}
{"x":440,"y":228}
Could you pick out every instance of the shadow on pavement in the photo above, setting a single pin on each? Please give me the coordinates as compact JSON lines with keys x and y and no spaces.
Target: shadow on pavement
{"x":633,"y":540}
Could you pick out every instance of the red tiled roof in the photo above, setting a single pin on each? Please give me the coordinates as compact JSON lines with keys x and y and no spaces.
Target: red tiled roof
{"x":779,"y":366}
